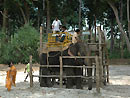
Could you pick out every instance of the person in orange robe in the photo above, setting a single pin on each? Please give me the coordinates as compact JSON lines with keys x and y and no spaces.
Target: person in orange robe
{"x":11,"y":76}
{"x":8,"y":81}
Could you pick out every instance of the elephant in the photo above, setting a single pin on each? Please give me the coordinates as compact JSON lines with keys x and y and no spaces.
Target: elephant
{"x":75,"y":49}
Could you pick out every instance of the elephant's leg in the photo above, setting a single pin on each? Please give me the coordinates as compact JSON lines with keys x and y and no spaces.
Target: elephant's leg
{"x":78,"y":81}
{"x":89,"y":72}
{"x":43,"y":79}
{"x":54,"y":71}
{"x":43,"y":71}
{"x":69,"y":72}
{"x":104,"y":75}
{"x":49,"y":80}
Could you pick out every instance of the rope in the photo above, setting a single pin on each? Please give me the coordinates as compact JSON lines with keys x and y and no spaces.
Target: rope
{"x":55,"y":54}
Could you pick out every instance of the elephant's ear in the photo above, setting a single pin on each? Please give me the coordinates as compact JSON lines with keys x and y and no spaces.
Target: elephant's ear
{"x":73,"y":49}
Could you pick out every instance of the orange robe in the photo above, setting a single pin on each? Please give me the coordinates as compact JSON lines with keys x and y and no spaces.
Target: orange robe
{"x":13,"y":74}
{"x":11,"y":77}
{"x":8,"y":81}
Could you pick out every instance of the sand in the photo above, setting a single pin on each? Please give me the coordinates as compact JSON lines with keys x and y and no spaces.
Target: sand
{"x":119,"y":87}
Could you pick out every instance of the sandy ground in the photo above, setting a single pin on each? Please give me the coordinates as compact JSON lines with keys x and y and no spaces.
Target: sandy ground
{"x":119,"y":86}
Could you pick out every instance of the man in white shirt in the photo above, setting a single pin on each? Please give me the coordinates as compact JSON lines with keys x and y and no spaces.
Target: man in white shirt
{"x":75,"y":36}
{"x":56,"y":25}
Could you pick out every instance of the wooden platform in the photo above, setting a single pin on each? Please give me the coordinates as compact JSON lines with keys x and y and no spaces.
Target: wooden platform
{"x":59,"y":47}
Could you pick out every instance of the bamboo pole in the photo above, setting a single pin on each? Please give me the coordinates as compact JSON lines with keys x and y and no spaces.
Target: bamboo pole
{"x":31,"y":76}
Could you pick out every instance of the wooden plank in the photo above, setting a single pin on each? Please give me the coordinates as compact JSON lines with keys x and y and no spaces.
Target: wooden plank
{"x":89,"y":57}
{"x":61,"y":72}
{"x":57,"y":76}
{"x":66,"y":66}
{"x":31,"y":76}
{"x":95,"y":43}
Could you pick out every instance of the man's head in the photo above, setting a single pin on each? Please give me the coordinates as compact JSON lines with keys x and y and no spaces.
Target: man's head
{"x":64,"y":28}
{"x":10,"y":64}
{"x":56,"y":18}
{"x":77,"y":31}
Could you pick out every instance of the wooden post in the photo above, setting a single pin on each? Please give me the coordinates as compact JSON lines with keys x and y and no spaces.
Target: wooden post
{"x":31,"y":76}
{"x":40,"y":51}
{"x":97,"y":75}
{"x":107,"y":67}
{"x":100,"y":56}
{"x":61,"y":72}
{"x":47,"y":56}
{"x":41,"y":39}
{"x":91,"y":36}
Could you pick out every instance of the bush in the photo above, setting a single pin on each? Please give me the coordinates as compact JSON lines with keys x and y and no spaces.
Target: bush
{"x":117,"y":54}
{"x":126,"y":54}
{"x":21,"y":45}
{"x":114,"y":55}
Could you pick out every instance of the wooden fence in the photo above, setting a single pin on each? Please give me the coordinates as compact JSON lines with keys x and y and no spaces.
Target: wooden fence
{"x":61,"y":66}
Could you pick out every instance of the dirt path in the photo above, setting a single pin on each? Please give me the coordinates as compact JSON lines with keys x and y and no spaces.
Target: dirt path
{"x":118,"y":87}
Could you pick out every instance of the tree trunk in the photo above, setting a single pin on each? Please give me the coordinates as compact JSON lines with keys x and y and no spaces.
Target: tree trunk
{"x":64,"y":21}
{"x":121,"y":36}
{"x":38,"y":19}
{"x":80,"y":1}
{"x":23,"y":14}
{"x":128,"y":16}
{"x":43,"y":17}
{"x":95,"y":27}
{"x":5,"y":14}
{"x":48,"y":16}
{"x":112,"y":36}
{"x":119,"y":24}
{"x":26,"y":10}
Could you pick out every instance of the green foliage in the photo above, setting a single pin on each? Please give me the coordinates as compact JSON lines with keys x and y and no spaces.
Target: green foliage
{"x":126,"y":54}
{"x":3,"y":46}
{"x":23,"y":44}
{"x":114,"y":55}
{"x":117,"y":54}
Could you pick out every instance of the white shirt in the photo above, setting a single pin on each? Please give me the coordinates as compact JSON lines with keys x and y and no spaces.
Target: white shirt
{"x":74,"y":40}
{"x":56,"y":25}
{"x":63,"y":34}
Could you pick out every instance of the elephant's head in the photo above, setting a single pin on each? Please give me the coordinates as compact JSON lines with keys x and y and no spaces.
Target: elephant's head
{"x":82,"y":49}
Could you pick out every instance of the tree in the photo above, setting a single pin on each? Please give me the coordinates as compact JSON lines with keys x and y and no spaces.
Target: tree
{"x":119,"y":23}
{"x":5,"y":14}
{"x":48,"y":16}
{"x":80,"y":5}
{"x":128,"y":16}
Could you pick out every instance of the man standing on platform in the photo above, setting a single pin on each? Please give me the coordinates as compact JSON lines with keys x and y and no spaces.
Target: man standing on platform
{"x":56,"y":25}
